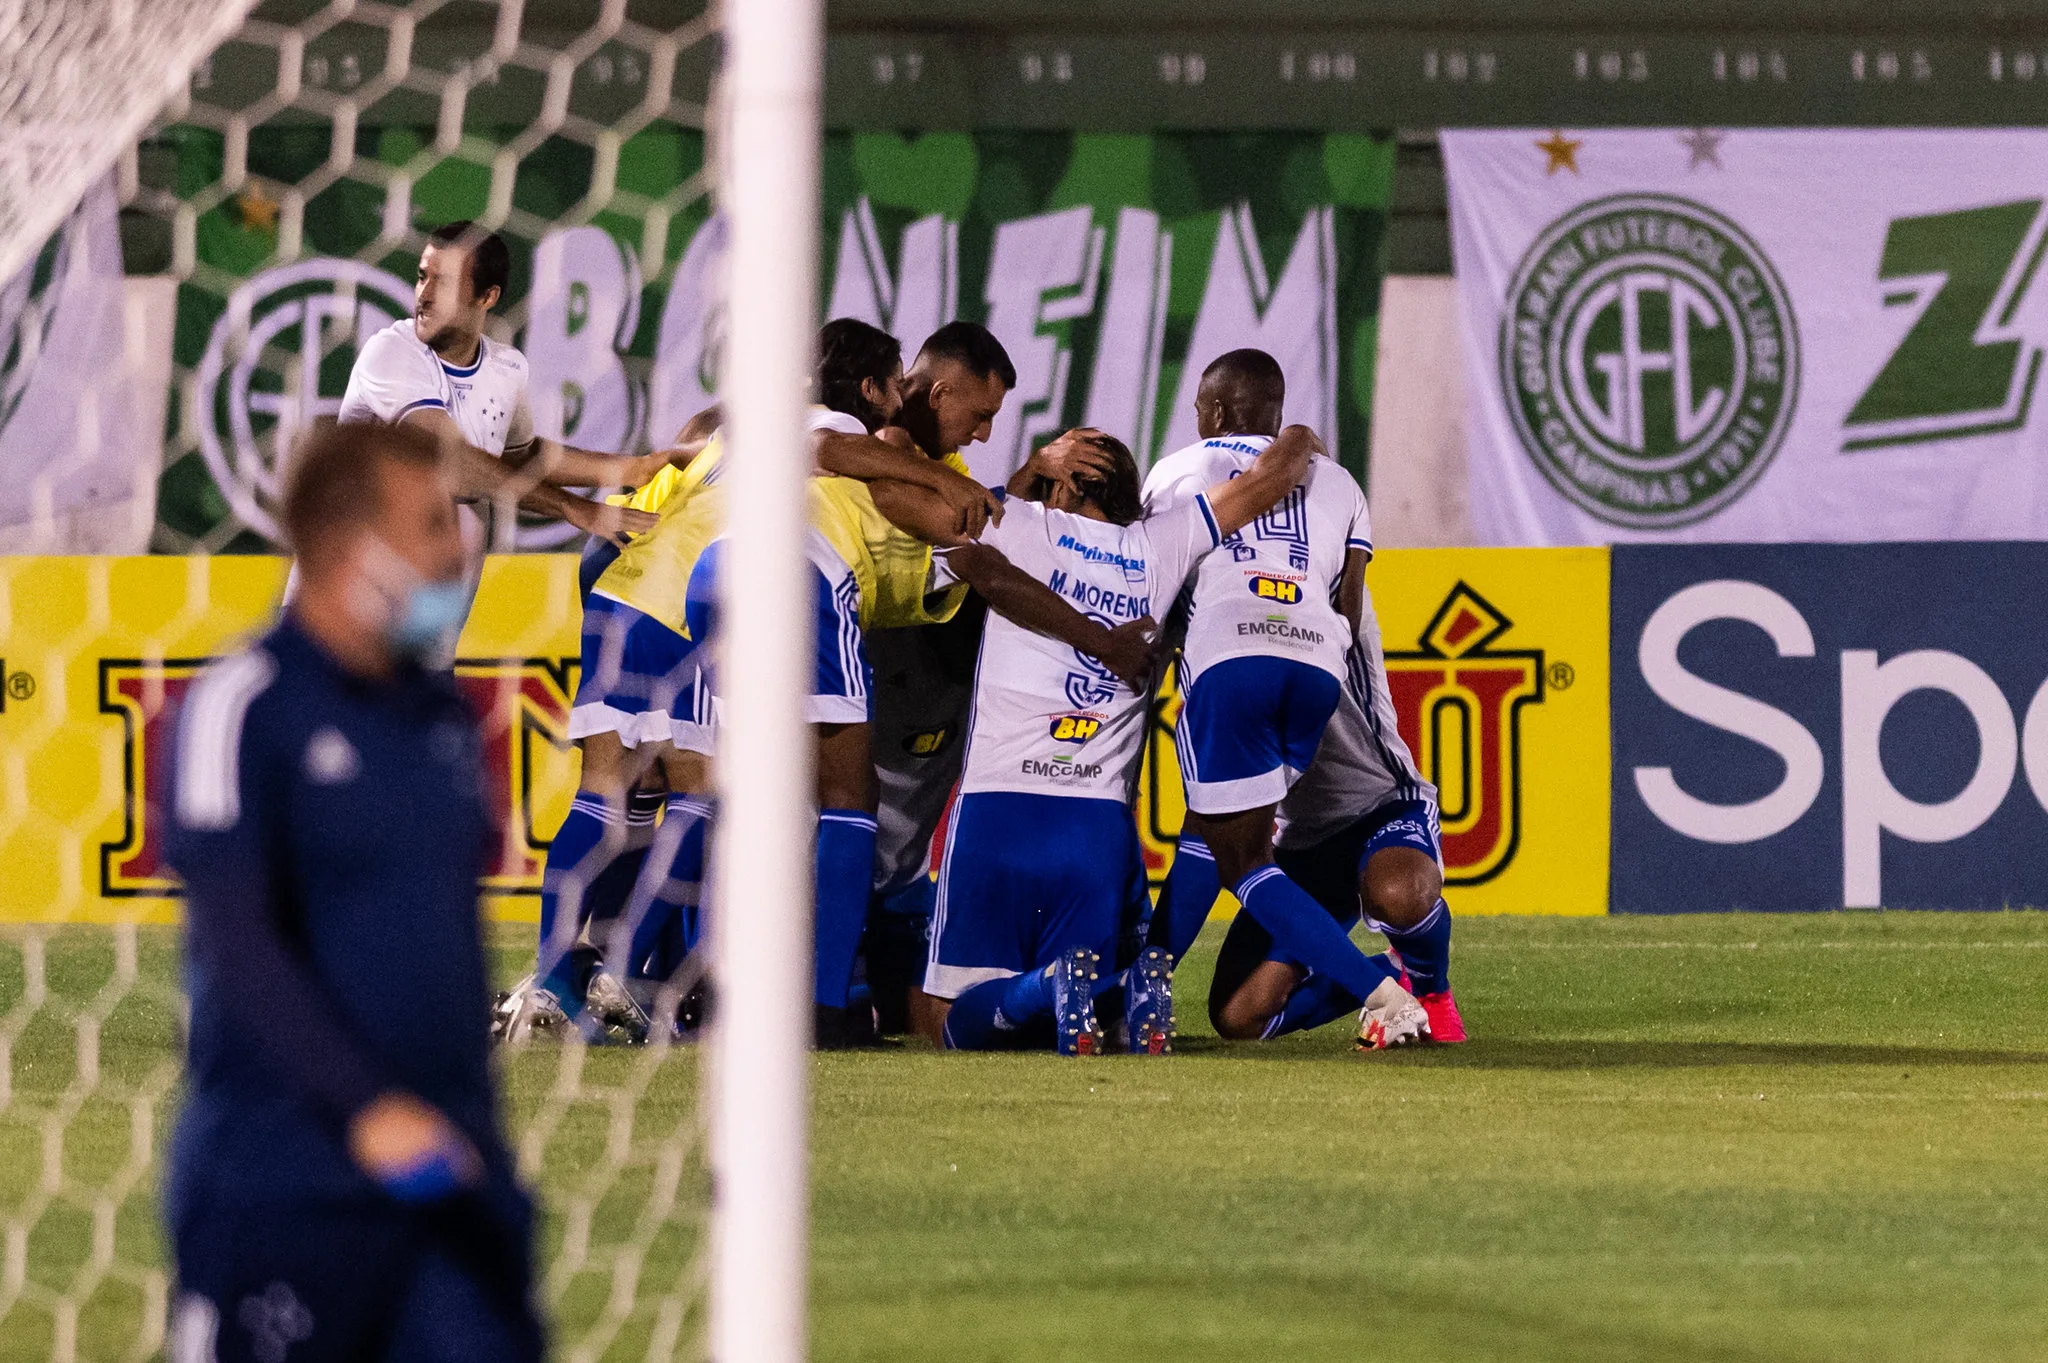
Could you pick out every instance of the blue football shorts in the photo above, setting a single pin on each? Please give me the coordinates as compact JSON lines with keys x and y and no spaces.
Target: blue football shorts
{"x":1025,"y":878}
{"x":639,"y":681}
{"x":841,"y":678}
{"x":1249,"y":728}
{"x":1331,"y":869}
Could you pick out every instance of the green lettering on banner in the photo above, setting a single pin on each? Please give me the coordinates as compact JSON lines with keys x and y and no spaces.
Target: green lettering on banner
{"x":1962,"y":369}
{"x":1111,"y":266}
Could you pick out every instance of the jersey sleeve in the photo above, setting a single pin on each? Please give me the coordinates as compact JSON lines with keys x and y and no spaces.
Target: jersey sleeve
{"x":230,"y":775}
{"x":825,"y":419}
{"x":1359,"y":536}
{"x":391,"y":379}
{"x":519,"y":426}
{"x":1020,"y":538}
{"x":1180,"y":536}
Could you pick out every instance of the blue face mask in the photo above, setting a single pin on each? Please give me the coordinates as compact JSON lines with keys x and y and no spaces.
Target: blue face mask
{"x":428,"y":619}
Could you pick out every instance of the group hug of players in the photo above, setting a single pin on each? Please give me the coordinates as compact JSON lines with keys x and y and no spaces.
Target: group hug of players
{"x":985,"y":657}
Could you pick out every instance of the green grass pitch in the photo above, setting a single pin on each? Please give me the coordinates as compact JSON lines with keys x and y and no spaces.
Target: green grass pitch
{"x":1720,"y":1139}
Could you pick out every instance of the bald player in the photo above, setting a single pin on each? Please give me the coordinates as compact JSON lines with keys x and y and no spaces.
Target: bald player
{"x":1270,"y":623}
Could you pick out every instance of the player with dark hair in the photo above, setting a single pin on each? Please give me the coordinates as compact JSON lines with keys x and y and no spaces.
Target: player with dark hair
{"x":438,"y":371}
{"x":1042,"y":854}
{"x":338,"y":1187}
{"x":924,"y":671}
{"x":872,"y":547}
{"x":1272,"y":628}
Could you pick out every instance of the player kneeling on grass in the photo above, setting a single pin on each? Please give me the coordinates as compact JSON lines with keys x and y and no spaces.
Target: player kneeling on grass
{"x":1359,"y":834}
{"x":1271,"y":634}
{"x":338,"y":1188}
{"x":1042,"y":854}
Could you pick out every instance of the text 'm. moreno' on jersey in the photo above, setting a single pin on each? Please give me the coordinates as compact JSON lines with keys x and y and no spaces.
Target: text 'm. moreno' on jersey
{"x":1048,"y":719}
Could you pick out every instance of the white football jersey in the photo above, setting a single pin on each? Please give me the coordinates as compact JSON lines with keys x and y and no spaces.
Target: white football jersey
{"x":1048,"y":719}
{"x":1362,"y":762}
{"x":1270,"y":589}
{"x":396,"y":373}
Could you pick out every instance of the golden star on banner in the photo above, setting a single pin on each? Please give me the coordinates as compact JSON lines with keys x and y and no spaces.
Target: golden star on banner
{"x":259,"y":211}
{"x":1562,"y":153}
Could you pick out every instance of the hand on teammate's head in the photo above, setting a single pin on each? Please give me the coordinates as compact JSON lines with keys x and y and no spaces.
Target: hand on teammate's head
{"x":1073,"y":456}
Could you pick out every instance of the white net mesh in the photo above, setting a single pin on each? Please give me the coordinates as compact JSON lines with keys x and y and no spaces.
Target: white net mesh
{"x":197,"y":308}
{"x":78,"y":80}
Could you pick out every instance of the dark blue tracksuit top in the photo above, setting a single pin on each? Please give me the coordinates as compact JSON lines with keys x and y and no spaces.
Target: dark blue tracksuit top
{"x":330,"y":831}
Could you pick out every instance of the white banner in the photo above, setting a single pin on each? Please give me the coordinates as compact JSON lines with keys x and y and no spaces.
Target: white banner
{"x":84,"y":372}
{"x":1752,"y":335}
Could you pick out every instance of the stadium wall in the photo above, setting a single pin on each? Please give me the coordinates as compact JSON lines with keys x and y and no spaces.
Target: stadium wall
{"x":1763,"y":727}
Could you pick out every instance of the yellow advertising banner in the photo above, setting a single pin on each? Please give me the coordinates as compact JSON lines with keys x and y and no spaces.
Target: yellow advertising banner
{"x":1496,"y":659}
{"x":96,"y":653}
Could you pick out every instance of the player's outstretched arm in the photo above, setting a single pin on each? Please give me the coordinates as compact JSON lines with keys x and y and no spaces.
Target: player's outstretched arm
{"x":1127,"y":651}
{"x":893,"y":456}
{"x":476,"y":474}
{"x":1351,"y":586}
{"x":561,"y":465}
{"x":1277,"y":471}
{"x":1013,"y":593}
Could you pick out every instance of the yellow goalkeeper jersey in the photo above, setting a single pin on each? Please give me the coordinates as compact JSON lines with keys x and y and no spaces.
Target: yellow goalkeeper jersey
{"x":657,"y":491}
{"x":891,"y":569}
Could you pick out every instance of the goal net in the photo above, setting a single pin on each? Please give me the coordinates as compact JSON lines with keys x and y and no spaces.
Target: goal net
{"x":205,"y":208}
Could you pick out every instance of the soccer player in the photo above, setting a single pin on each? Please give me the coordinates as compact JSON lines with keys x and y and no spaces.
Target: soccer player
{"x":1359,"y":833}
{"x":437,"y":370}
{"x":338,"y":1188}
{"x":1270,"y":623}
{"x":1042,"y":853}
{"x":663,"y":590}
{"x":870,"y":545}
{"x":924,"y":669}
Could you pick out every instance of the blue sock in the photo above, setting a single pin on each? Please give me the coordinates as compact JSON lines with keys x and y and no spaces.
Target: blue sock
{"x":1425,"y":949}
{"x":1027,"y":996}
{"x":667,"y":890}
{"x":1305,"y":930}
{"x":1187,"y":897}
{"x":1319,"y":1000}
{"x":978,"y":1020}
{"x":846,"y":870}
{"x":589,"y":838}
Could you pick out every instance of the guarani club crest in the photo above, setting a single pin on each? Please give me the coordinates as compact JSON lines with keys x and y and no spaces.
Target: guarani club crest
{"x":1459,"y":702}
{"x":521,"y":702}
{"x":1649,"y":358}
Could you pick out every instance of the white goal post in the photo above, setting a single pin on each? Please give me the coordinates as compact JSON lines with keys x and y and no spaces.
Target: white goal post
{"x":774,"y":59}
